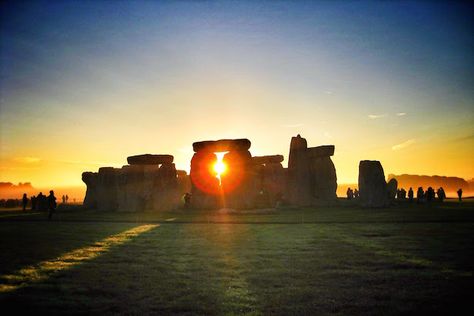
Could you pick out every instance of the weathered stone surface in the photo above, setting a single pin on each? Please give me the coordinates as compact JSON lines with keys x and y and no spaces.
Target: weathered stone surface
{"x":184,"y":181}
{"x":132,"y":186}
{"x":166,"y":194}
{"x":205,"y":185}
{"x":90,"y":179}
{"x":372,"y":185}
{"x":237,"y":182}
{"x":392,"y":187}
{"x":222,"y":145}
{"x":107,"y":189}
{"x":149,"y":159}
{"x":299,"y":178}
{"x":262,"y":160}
{"x":273,"y":183}
{"x":323,"y":179}
{"x":321,"y":151}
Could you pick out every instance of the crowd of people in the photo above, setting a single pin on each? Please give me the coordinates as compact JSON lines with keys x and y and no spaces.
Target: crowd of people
{"x":42,"y":203}
{"x":421,"y":196}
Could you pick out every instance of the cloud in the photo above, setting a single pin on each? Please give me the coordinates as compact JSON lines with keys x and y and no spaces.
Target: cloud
{"x":376,"y":116}
{"x":27,"y":160}
{"x":293,"y":125}
{"x":403,"y":145}
{"x":401,"y":113}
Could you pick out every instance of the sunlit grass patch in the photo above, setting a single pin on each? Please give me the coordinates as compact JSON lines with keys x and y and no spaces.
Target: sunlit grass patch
{"x":45,"y":269}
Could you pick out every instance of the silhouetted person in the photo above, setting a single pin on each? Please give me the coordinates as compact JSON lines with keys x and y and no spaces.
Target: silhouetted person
{"x":33,"y":203}
{"x":63,"y":198}
{"x":420,"y":195}
{"x":187,"y":200}
{"x":51,"y":204}
{"x":430,"y":194}
{"x":441,"y":194}
{"x":349,"y":194}
{"x":410,"y":194}
{"x":41,"y":202}
{"x":460,"y":195}
{"x":403,"y":194}
{"x":24,"y":201}
{"x":67,"y":198}
{"x":356,"y":193}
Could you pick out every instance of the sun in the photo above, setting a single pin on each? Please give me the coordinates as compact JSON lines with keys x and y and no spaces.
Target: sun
{"x":220,"y":168}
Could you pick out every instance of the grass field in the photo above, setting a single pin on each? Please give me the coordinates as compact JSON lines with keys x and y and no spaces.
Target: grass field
{"x":408,"y":259}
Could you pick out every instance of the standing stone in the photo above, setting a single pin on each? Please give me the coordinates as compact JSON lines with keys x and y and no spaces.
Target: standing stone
{"x":90,"y":179}
{"x":299,"y":178}
{"x":107,"y":189}
{"x":392,"y":187}
{"x":323,"y":178}
{"x":372,"y":185}
{"x":205,"y":185}
{"x":166,"y":195}
{"x":237,"y":182}
{"x":274,"y":185}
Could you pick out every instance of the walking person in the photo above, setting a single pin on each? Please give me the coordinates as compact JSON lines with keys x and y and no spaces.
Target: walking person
{"x":460,"y":195}
{"x":24,"y":201}
{"x":51,"y":204}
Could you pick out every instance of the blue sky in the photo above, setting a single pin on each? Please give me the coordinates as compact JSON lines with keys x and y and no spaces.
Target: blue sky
{"x":97,"y":81}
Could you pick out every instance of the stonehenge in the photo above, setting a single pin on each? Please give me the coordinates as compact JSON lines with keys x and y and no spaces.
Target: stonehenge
{"x":151,"y":182}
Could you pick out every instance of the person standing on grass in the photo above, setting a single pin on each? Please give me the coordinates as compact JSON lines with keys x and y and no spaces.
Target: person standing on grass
{"x":460,"y":195}
{"x":410,"y":194}
{"x":25,"y":201}
{"x":51,"y":204}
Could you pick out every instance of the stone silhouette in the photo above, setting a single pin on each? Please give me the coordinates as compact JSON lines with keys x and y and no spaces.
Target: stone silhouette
{"x":150,"y":182}
{"x":311,"y":173}
{"x":372,"y":186}
{"x":392,"y":186}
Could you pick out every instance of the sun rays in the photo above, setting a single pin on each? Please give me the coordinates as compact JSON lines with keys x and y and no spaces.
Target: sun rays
{"x":43,"y":270}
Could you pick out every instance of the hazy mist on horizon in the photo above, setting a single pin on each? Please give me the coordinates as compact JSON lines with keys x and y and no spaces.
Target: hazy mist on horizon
{"x":85,"y":84}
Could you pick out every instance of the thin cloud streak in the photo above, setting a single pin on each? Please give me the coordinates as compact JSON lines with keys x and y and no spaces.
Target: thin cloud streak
{"x":401,"y":113}
{"x":403,"y":145}
{"x":376,"y":116}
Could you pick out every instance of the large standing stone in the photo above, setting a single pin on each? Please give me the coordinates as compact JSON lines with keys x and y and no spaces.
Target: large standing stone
{"x":323,"y":178}
{"x":237,"y":182}
{"x":107,"y":189}
{"x":392,"y":187}
{"x":90,"y":179}
{"x":166,"y":195}
{"x":299,"y":178}
{"x":205,"y":185}
{"x":372,"y":185}
{"x":273,"y":182}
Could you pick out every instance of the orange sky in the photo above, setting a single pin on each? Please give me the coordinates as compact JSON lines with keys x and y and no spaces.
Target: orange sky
{"x":84,"y":86}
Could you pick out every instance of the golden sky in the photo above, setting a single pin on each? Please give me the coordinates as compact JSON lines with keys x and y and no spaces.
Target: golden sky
{"x":84,"y":85}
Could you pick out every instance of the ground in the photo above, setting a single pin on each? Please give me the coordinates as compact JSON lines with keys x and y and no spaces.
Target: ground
{"x":408,"y":259}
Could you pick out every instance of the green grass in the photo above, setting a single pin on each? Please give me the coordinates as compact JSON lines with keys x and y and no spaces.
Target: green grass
{"x":344,"y":260}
